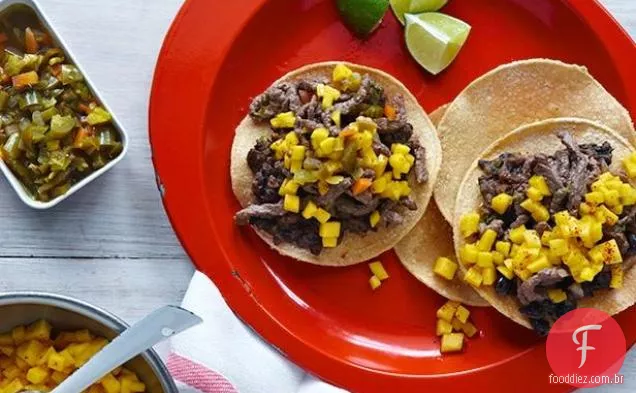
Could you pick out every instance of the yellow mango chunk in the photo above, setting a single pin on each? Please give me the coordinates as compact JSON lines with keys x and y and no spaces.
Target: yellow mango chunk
{"x":443,"y":327}
{"x":447,"y":311}
{"x":453,"y":342}
{"x":378,"y":270}
{"x":469,"y":224}
{"x":445,"y":268}
{"x":462,"y":313}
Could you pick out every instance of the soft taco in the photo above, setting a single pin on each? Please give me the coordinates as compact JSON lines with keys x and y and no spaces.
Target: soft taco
{"x":510,"y":96}
{"x":546,"y":222}
{"x":431,"y":238}
{"x":334,"y":164}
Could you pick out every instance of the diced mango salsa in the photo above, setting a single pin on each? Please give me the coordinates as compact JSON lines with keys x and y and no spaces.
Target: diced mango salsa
{"x":469,"y":224}
{"x":378,"y":270}
{"x":501,"y":203}
{"x":40,"y":361}
{"x":445,"y":268}
{"x":443,"y":327}
{"x":447,"y":311}
{"x":452,"y":342}
{"x":375,"y":282}
{"x":487,"y":240}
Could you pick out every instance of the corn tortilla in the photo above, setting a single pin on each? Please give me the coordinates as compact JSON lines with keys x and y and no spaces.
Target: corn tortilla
{"x":533,"y":139}
{"x":510,"y":96}
{"x":354,"y":248}
{"x":431,"y":238}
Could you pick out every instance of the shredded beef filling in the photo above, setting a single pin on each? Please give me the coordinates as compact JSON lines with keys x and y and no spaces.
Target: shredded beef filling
{"x":353,"y":211}
{"x":568,"y":172}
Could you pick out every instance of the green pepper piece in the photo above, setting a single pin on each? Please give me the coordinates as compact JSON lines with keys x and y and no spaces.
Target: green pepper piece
{"x":70,"y":74}
{"x":31,"y":99}
{"x":98,"y":116}
{"x":82,"y":91}
{"x":11,"y":147}
{"x":60,"y":126}
{"x":31,"y":62}
{"x":13,"y":64}
{"x":61,"y":190}
{"x":49,"y":113}
{"x":48,"y":102}
{"x":59,"y":160}
{"x":349,"y":157}
{"x":4,"y":100}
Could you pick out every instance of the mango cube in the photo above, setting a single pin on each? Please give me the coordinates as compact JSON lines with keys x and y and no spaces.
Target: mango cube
{"x":330,"y":242}
{"x":110,"y":384}
{"x":374,"y":219}
{"x":330,"y":229}
{"x":378,"y":270}
{"x":534,"y":194}
{"x":559,"y":247}
{"x":629,"y":163}
{"x":607,"y":253}
{"x":539,"y":264}
{"x":594,"y":197}
{"x":283,"y":120}
{"x":489,"y":275}
{"x":19,"y":334}
{"x":445,"y":268}
{"x":469,"y":224}
{"x":37,"y":375}
{"x":531,"y":239}
{"x":452,"y":342}
{"x":322,"y":215}
{"x":375,"y":282}
{"x":40,"y":330}
{"x":501,"y":203}
{"x":443,"y":327}
{"x":487,"y":240}
{"x":516,"y":234}
{"x":468,"y":254}
{"x":469,"y":329}
{"x":15,"y":386}
{"x":557,"y":295}
{"x":503,"y":247}
{"x":291,"y":203}
{"x":617,"y":276}
{"x":506,"y":272}
{"x":447,"y":311}
{"x":484,"y":259}
{"x":462,"y":313}
{"x":473,"y":277}
{"x":539,"y":183}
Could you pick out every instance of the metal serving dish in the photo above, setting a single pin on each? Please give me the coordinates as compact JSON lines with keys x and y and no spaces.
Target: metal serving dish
{"x":69,"y":314}
{"x":31,"y":10}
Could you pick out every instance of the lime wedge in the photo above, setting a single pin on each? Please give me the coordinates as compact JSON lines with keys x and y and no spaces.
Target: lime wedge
{"x":362,"y":16}
{"x":435,"y":39}
{"x":401,"y":7}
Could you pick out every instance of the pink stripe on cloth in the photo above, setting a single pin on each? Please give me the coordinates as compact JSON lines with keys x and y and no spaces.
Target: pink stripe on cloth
{"x":198,"y":376}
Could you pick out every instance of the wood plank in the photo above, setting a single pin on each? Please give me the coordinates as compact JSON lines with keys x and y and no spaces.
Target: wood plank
{"x":129,"y":288}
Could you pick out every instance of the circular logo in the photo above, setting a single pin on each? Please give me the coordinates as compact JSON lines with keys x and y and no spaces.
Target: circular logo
{"x":586,"y":348}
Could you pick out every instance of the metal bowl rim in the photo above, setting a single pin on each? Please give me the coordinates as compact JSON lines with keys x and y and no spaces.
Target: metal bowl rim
{"x":71,"y":304}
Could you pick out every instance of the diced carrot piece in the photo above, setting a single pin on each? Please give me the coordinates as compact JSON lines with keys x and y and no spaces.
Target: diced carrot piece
{"x":361,"y":185}
{"x":84,"y":108}
{"x":26,"y":79}
{"x":30,"y":43}
{"x":347,"y":132}
{"x":390,"y":112}
{"x":56,"y":70}
{"x":81,"y":134}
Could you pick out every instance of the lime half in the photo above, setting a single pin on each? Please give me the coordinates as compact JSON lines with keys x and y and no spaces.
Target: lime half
{"x":362,"y":16}
{"x":435,"y":39}
{"x":401,"y":7}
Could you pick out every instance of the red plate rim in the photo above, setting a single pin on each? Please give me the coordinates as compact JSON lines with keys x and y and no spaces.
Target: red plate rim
{"x":184,"y":40}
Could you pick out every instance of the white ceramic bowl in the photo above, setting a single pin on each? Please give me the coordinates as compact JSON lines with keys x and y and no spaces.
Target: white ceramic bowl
{"x":8,"y":6}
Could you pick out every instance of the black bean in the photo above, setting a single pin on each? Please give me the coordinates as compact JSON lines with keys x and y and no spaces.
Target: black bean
{"x":504,"y":286}
{"x":564,"y":307}
{"x":532,"y":310}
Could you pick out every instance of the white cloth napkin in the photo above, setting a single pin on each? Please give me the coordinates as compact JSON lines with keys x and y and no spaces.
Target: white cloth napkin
{"x":222,"y":355}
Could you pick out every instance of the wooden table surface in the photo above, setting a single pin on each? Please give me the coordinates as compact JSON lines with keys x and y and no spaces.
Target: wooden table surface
{"x":111,"y":244}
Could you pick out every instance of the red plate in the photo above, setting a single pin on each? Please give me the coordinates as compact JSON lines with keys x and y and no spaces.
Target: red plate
{"x":219,"y":54}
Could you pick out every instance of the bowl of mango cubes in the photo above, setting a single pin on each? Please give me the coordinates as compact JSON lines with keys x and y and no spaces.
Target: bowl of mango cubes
{"x":44,"y":338}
